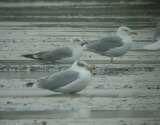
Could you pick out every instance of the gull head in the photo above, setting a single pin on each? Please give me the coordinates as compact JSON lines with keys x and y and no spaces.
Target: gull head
{"x":84,"y":65}
{"x":77,"y":41}
{"x":80,"y":42}
{"x":125,"y":31}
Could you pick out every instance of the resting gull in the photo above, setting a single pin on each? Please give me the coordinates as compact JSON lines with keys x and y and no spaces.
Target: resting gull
{"x":156,"y":40}
{"x":112,"y":46}
{"x":71,"y":80}
{"x":66,"y":54}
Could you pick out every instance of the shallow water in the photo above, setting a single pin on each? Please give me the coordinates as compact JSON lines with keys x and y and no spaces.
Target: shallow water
{"x":124,"y":113}
{"x":23,"y":75}
{"x":70,"y":114}
{"x":35,"y":114}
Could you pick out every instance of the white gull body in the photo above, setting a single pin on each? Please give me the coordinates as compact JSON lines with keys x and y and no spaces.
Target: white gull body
{"x":66,"y":54}
{"x":112,"y":46}
{"x":72,"y":80}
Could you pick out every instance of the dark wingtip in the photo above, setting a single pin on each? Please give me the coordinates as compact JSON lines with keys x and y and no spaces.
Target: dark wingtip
{"x":30,"y":84}
{"x":28,"y":56}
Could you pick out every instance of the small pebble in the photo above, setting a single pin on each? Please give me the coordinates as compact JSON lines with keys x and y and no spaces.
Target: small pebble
{"x":148,"y":87}
{"x":128,"y":86}
{"x":101,"y":86}
{"x":8,"y":102}
{"x":1,"y":86}
{"x":44,"y":123}
{"x":158,"y":87}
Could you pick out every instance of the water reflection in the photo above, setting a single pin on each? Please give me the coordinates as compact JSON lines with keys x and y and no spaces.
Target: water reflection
{"x":23,"y":75}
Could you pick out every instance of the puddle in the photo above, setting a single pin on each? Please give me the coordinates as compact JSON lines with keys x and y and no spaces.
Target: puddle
{"x":62,"y":114}
{"x":36,"y":114}
{"x":23,"y":75}
{"x":124,"y":114}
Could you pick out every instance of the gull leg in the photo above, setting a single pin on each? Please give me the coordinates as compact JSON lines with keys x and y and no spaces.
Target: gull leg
{"x":111,"y":61}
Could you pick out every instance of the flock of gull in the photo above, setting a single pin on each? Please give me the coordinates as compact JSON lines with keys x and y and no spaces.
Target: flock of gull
{"x":77,"y":77}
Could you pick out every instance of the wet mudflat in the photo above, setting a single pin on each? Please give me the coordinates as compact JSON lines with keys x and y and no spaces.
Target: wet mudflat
{"x":124,"y":93}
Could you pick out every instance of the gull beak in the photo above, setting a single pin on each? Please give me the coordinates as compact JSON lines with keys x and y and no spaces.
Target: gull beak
{"x":92,"y":69}
{"x":84,"y":42}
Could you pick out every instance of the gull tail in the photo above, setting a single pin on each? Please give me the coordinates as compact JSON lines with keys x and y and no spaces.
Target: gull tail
{"x":30,"y":84}
{"x":32,"y":56}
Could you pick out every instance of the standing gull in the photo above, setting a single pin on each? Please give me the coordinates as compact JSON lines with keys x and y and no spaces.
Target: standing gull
{"x":112,"y":46}
{"x":156,"y":40}
{"x":67,"y":54}
{"x":71,"y":80}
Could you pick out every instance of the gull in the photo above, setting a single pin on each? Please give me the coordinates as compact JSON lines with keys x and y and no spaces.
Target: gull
{"x":112,"y":46}
{"x":156,"y":40}
{"x":66,"y":54}
{"x":72,"y":80}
